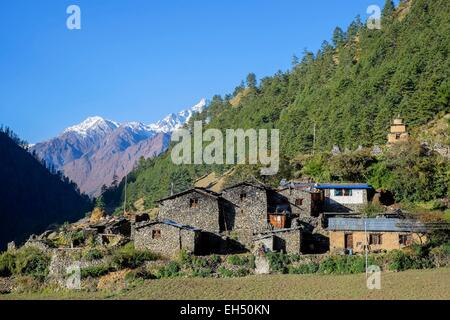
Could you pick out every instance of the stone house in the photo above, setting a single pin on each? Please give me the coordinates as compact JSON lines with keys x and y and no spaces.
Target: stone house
{"x":247,"y":209}
{"x":344,"y":197}
{"x":197,"y":207}
{"x":166,"y":237}
{"x":303,"y":202}
{"x":379,"y":234}
{"x":282,"y":240}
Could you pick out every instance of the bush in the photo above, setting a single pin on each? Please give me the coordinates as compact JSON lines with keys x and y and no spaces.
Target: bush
{"x":171,"y":270}
{"x":93,"y":254}
{"x":95,"y":271}
{"x":278,"y":261}
{"x":129,"y":257}
{"x":242,"y":272}
{"x":304,"y":268}
{"x":32,"y":262}
{"x":237,"y":260}
{"x":225,"y":273}
{"x":202,"y":272}
{"x":7,"y":264}
{"x":399,"y":261}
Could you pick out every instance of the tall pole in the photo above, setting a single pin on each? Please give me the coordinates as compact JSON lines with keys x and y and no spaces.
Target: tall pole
{"x":125,"y":196}
{"x":366,"y":246}
{"x":314,"y":139}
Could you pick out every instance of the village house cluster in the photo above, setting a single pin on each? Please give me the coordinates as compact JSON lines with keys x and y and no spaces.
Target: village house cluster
{"x":298,"y":217}
{"x":295,"y":218}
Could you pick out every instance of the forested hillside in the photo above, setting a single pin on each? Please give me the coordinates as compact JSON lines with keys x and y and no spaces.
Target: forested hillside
{"x":349,"y":91}
{"x":31,"y":197}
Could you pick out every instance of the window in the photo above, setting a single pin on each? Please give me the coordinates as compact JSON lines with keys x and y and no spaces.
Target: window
{"x":405,"y":239}
{"x":298,"y":202}
{"x":193,"y":203}
{"x":156,"y":234}
{"x":375,"y":239}
{"x":243,"y":196}
{"x":343,"y":192}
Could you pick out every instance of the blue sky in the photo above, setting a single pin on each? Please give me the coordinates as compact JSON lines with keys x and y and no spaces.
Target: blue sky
{"x":138,"y":60}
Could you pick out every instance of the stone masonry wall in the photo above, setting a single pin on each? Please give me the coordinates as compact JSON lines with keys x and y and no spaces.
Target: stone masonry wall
{"x":206,"y":216}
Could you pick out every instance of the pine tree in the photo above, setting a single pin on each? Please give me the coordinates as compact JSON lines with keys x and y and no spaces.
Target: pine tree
{"x":251,"y":80}
{"x":338,"y":37}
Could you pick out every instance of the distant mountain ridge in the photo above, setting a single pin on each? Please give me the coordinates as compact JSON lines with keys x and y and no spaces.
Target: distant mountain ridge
{"x":98,"y":150}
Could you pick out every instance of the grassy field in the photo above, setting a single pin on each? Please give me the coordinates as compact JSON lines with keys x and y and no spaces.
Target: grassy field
{"x":414,"y":284}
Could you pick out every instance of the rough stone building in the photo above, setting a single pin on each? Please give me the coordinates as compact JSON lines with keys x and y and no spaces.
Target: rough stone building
{"x":342,"y":198}
{"x":247,"y":209}
{"x":195,"y":207}
{"x":167,"y":237}
{"x":349,"y":234}
{"x":303,"y":202}
{"x":283,"y":240}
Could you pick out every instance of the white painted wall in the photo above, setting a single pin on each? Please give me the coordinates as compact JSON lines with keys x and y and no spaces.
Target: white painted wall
{"x":357,"y":197}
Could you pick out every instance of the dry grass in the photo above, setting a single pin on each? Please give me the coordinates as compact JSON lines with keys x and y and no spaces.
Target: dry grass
{"x":414,"y":284}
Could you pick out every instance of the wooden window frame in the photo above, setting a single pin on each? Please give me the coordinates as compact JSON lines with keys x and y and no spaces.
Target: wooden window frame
{"x":375,"y":239}
{"x":405,"y":239}
{"x":299,"y":202}
{"x":243,"y":196}
{"x":156,"y":234}
{"x":193,"y":203}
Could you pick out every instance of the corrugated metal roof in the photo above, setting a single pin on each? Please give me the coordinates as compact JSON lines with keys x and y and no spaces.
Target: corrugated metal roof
{"x":374,"y":224}
{"x":343,"y":186}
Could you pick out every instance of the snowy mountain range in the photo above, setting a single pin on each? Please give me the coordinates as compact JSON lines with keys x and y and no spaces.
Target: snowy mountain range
{"x":93,"y":152}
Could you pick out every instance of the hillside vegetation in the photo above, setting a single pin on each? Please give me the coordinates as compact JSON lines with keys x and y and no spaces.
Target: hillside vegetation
{"x":31,"y":197}
{"x":349,"y":90}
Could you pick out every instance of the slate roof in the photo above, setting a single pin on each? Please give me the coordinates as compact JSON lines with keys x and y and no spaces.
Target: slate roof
{"x":202,"y":191}
{"x":166,"y":222}
{"x":375,"y":224}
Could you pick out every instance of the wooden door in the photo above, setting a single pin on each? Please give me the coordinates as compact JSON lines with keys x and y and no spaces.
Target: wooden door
{"x":349,"y":241}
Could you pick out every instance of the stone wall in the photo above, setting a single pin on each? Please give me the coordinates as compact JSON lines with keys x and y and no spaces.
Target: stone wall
{"x":310,"y":204}
{"x":206,"y":216}
{"x":287,"y":241}
{"x":170,"y":241}
{"x":249,"y":214}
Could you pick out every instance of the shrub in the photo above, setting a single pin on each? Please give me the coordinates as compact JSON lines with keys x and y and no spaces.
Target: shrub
{"x":7,"y":264}
{"x":215,"y":259}
{"x":242,"y":272}
{"x":278,"y":262}
{"x":93,"y":254}
{"x":95,"y":271}
{"x":307,"y":268}
{"x":225,"y":273}
{"x":399,"y":261}
{"x":32,"y":262}
{"x":237,"y":260}
{"x":171,"y":270}
{"x":129,"y":257}
{"x":202,"y":272}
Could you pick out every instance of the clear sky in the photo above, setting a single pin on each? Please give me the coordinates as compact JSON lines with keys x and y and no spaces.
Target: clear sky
{"x":138,"y":60}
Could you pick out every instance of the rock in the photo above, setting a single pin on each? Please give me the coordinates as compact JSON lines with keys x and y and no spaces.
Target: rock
{"x":12,"y":246}
{"x":6,"y":285}
{"x":262,"y":265}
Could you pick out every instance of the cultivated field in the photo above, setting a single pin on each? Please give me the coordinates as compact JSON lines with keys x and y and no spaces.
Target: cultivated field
{"x":413,"y":284}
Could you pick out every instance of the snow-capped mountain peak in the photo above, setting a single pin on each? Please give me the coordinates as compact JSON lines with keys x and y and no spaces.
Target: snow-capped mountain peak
{"x":93,"y":124}
{"x":175,"y":121}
